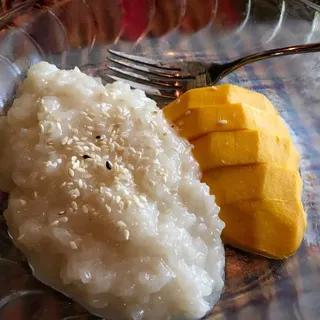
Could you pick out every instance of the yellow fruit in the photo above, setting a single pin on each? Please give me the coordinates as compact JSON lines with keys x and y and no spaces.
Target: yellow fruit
{"x":219,"y":149}
{"x":228,"y":117}
{"x":223,"y":94}
{"x":253,"y":182}
{"x":271,"y":228}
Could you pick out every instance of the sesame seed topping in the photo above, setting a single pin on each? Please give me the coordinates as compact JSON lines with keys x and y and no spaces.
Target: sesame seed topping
{"x":74,"y":205}
{"x":108,"y":208}
{"x":121,"y":224}
{"x":64,"y":219}
{"x":126,"y":234}
{"x":71,"y":172}
{"x":85,"y":209}
{"x":73,"y":245}
{"x":118,"y":199}
{"x":54,"y":223}
{"x":222,"y":121}
{"x":64,"y":140}
{"x":62,"y":212}
{"x":23,"y":202}
{"x":188,"y":113}
{"x":63,"y":184}
{"x":130,"y":166}
{"x":109,"y":165}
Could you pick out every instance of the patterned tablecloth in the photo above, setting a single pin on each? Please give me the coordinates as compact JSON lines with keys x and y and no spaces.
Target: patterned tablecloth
{"x":80,"y":32}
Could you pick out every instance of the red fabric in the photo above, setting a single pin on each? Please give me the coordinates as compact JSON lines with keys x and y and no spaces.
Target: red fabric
{"x":135,"y":18}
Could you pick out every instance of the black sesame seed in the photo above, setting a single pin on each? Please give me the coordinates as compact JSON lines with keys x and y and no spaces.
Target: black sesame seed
{"x":98,"y":137}
{"x":86,"y":156}
{"x":108,"y":165}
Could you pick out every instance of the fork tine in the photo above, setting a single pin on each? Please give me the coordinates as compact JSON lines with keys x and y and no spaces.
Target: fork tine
{"x":147,"y":89}
{"x":144,"y":79}
{"x":146,"y":61}
{"x":145,"y":69}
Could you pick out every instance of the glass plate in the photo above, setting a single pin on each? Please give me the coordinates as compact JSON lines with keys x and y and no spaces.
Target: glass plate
{"x":78,"y":33}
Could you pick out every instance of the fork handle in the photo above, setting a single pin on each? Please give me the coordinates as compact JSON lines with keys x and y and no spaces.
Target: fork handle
{"x":286,"y":51}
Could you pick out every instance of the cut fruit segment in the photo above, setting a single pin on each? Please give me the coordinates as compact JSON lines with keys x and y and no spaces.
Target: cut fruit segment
{"x":228,"y":117}
{"x":223,"y":94}
{"x":271,"y":228}
{"x":219,"y":149}
{"x":253,"y":182}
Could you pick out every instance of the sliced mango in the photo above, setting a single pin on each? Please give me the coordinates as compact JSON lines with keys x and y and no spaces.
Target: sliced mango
{"x":228,"y":117}
{"x":223,"y":94}
{"x":219,"y":149}
{"x":271,"y":228}
{"x":253,"y":182}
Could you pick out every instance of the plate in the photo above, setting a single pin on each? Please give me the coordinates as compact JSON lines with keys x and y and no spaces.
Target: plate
{"x":79,"y":33}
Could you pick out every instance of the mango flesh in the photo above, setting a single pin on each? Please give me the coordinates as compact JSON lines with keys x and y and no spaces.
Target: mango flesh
{"x":253,"y":182}
{"x":228,"y":117}
{"x":250,"y":164}
{"x":218,"y":149}
{"x":271,"y":228}
{"x":209,"y":96}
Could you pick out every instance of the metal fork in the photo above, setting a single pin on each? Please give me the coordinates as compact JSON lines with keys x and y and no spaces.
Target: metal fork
{"x":170,"y":81}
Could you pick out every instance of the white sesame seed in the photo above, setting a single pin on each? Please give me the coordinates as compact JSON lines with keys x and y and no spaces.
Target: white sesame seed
{"x":80,"y":169}
{"x":59,"y":126}
{"x":69,"y":141}
{"x":73,"y":245}
{"x":64,"y":219}
{"x":20,"y":237}
{"x":35,"y":194}
{"x":64,"y":140}
{"x":73,"y":158}
{"x":80,"y":183}
{"x":75,"y":138}
{"x":108,"y":208}
{"x":126,"y":234}
{"x":63,"y":184}
{"x":222,"y":121}
{"x":214,"y":87}
{"x":62,"y":212}
{"x":59,"y":161}
{"x":152,"y":183}
{"x":121,"y":224}
{"x":71,"y":172}
{"x":118,"y":199}
{"x":85,"y":209}
{"x":23,"y":202}
{"x":74,"y":205}
{"x":188,"y":113}
{"x":54,"y":223}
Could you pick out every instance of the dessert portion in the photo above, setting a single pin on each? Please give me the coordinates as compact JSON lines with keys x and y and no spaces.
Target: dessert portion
{"x":250,"y":163}
{"x":106,"y":200}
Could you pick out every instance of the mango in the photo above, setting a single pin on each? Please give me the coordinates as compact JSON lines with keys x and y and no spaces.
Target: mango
{"x":272,"y":228}
{"x":228,"y":117}
{"x":253,"y":182}
{"x":250,"y":164}
{"x":219,"y":149}
{"x":210,"y":96}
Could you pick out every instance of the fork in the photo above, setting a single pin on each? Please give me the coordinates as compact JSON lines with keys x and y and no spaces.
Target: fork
{"x":170,"y":81}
